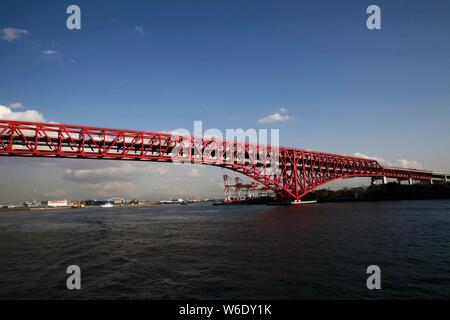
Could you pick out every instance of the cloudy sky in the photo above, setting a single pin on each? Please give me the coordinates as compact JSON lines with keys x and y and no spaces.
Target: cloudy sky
{"x":310,"y":68}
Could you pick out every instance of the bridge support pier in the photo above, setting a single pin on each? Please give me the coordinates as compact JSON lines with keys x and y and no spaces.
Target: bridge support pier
{"x":303,"y":202}
{"x":439,"y":177}
{"x":409,"y":180}
{"x":382,"y":179}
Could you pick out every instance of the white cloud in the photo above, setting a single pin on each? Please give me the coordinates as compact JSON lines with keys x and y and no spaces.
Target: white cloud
{"x":410,"y":164}
{"x":15,"y":105}
{"x":117,"y":173}
{"x":27,"y":115}
{"x":275,"y":117}
{"x":365,"y":156}
{"x":115,"y":179}
{"x":50,"y":54}
{"x":56,"y":194}
{"x":138,"y":29}
{"x":284,"y":110}
{"x":114,"y":188}
{"x":401,"y":163}
{"x":11,"y":34}
{"x":194,"y":172}
{"x":98,"y":175}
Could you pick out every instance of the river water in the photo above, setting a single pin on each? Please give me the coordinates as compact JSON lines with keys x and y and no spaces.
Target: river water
{"x":317,"y":251}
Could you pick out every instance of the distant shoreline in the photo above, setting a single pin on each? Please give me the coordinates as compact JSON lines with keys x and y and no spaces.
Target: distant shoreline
{"x":89,"y":207}
{"x":62,"y":208}
{"x":388,"y":192}
{"x":375,"y":193}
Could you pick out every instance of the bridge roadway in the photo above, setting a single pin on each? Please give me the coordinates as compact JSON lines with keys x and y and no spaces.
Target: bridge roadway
{"x":290,"y":172}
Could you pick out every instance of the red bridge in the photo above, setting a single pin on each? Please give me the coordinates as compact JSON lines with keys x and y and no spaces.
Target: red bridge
{"x":290,"y":172}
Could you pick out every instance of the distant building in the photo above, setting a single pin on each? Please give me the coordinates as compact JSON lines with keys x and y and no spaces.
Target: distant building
{"x":56,"y":203}
{"x":30,"y":204}
{"x":93,"y":202}
{"x":136,"y":202}
{"x":105,"y":203}
{"x":117,"y":201}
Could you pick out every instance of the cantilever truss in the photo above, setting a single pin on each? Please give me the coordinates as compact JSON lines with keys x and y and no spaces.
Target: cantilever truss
{"x":290,"y":172}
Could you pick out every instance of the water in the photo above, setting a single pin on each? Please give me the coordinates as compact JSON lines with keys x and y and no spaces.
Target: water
{"x":318,"y":251}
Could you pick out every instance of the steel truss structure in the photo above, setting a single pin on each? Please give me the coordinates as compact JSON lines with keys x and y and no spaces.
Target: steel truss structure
{"x":289,"y":172}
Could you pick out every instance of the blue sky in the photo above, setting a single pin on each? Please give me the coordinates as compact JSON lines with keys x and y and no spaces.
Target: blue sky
{"x":160,"y":65}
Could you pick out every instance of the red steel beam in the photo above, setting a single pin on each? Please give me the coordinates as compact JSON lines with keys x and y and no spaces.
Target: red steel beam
{"x":290,"y":172}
